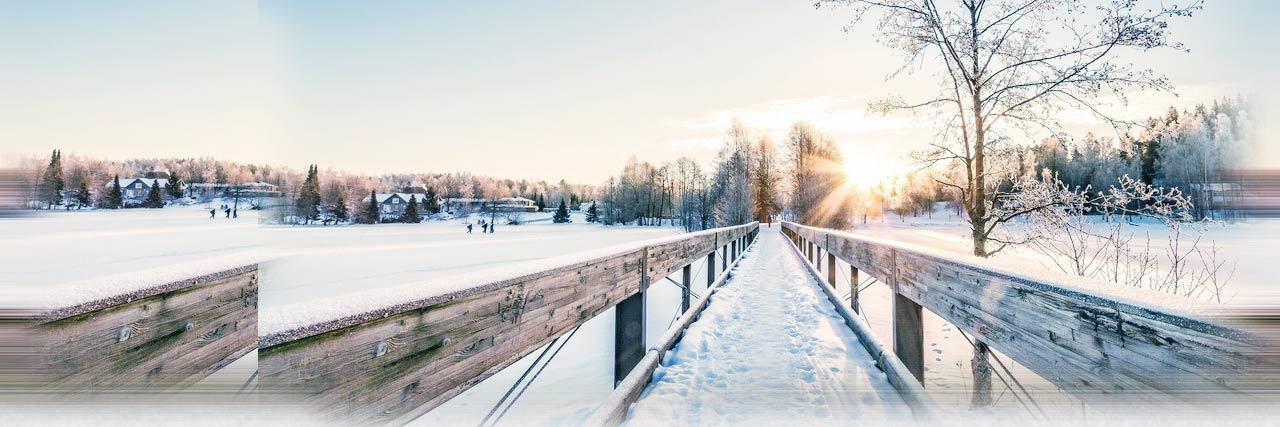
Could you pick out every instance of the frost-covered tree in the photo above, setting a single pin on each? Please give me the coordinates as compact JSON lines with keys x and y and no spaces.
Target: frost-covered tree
{"x":340,"y":208}
{"x":308,"y":202}
{"x":51,"y":182}
{"x":766,"y":180}
{"x":817,"y":177}
{"x":1006,"y":66}
{"x":593,"y":213}
{"x":732,"y":189}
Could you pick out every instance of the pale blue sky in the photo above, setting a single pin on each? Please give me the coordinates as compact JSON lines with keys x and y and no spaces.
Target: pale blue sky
{"x":534,"y":89}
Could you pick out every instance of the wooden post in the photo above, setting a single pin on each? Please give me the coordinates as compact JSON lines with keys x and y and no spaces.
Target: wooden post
{"x":853,"y":291}
{"x":688,"y":283}
{"x":724,"y":260}
{"x":628,"y":334}
{"x":981,"y":367}
{"x":908,"y":335}
{"x":831,"y":269}
{"x":711,"y":269}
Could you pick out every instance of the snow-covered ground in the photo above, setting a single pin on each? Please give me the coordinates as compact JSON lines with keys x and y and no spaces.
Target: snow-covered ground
{"x":315,"y":263}
{"x":769,"y":350}
{"x":117,"y":249}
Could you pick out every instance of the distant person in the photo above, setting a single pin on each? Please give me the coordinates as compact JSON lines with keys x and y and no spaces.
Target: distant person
{"x":213,"y":213}
{"x":228,"y":212}
{"x":468,"y":228}
{"x":235,"y":213}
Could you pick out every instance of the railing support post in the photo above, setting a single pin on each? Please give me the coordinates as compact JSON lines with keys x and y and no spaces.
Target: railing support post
{"x":908,"y":335}
{"x":711,"y":269}
{"x":853,"y":291}
{"x":628,"y":334}
{"x":831,"y":269}
{"x":724,"y":260}
{"x":687,"y":276}
{"x":981,"y":366}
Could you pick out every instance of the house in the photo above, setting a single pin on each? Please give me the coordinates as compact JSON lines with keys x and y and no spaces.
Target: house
{"x":392,"y":205}
{"x":134,"y":191}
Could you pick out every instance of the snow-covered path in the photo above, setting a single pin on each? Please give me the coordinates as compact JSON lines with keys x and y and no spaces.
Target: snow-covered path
{"x":768,"y":350}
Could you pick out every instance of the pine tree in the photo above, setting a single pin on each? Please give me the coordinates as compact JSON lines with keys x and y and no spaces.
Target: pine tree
{"x":82,"y":195}
{"x":593,"y":215}
{"x":429,"y":204}
{"x":562,"y":214}
{"x":175,"y":187}
{"x":370,"y":213}
{"x":51,"y":184}
{"x":309,"y":195}
{"x":540,"y":202}
{"x":115,"y":198}
{"x":154,"y":199}
{"x":410,"y":215}
{"x":340,"y":208}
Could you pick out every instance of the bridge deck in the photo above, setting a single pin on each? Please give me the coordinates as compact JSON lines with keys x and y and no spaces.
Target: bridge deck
{"x":769,"y":348}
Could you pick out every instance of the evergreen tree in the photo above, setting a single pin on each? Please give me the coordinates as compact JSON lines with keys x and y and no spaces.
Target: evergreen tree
{"x":541,"y":202}
{"x":82,"y":195}
{"x":410,"y":215}
{"x":562,"y":214}
{"x":51,"y":183}
{"x":593,"y":215}
{"x":309,"y":195}
{"x":429,"y":204}
{"x":154,"y":199}
{"x":370,"y":213}
{"x":174,"y":187}
{"x":115,"y":198}
{"x":340,"y":208}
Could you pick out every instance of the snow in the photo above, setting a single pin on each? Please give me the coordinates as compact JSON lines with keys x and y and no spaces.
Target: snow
{"x":947,"y":364}
{"x":323,"y":278}
{"x":769,"y":349}
{"x":65,"y":259}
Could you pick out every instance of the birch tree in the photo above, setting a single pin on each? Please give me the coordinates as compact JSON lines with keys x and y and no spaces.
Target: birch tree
{"x":1006,"y":66}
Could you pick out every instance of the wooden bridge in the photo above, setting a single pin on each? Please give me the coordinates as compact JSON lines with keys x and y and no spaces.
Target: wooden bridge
{"x":393,"y":364}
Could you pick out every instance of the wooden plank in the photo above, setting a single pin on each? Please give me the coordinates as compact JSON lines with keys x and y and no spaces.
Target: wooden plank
{"x":394,"y":364}
{"x":170,"y":339}
{"x":908,"y":335}
{"x":1088,"y":344}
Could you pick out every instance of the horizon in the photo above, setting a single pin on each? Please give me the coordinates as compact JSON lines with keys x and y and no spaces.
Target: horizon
{"x":516,"y":92}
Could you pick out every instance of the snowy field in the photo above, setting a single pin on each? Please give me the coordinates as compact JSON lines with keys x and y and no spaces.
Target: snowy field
{"x":770,"y":349}
{"x":317,"y":262}
{"x":62,"y":250}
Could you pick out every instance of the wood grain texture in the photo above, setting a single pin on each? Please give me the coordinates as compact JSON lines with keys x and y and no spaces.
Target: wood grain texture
{"x":1087,"y":344}
{"x":398,"y":365}
{"x":166,"y":340}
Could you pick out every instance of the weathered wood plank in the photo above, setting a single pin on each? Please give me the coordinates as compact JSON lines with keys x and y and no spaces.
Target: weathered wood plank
{"x":170,"y":339}
{"x":1085,"y":343}
{"x":393,"y":365}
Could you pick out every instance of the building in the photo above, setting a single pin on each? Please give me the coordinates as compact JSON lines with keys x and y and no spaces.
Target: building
{"x":505,"y":204}
{"x":392,"y":205}
{"x":248,"y":190}
{"x":133,"y":191}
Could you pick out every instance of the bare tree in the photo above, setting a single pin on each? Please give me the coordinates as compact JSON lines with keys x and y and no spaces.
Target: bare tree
{"x":1011,"y":65}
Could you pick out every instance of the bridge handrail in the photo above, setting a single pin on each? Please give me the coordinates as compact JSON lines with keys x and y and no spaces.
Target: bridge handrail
{"x":399,"y":361}
{"x":1091,"y":344}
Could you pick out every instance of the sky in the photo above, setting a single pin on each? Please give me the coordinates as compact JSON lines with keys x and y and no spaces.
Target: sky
{"x":531,"y":89}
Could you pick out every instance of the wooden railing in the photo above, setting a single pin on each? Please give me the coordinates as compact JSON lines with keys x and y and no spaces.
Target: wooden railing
{"x":161,"y":337}
{"x":395,"y":364}
{"x":1095,"y":347}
